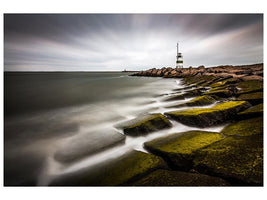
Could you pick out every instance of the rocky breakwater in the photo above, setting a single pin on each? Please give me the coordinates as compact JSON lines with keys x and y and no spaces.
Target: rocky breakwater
{"x":233,"y":98}
{"x":235,"y":154}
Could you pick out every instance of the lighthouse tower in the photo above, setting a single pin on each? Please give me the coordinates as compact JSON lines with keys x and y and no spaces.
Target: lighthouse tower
{"x":179,"y":58}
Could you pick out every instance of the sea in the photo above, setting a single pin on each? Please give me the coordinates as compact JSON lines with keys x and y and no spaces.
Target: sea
{"x":45,"y":112}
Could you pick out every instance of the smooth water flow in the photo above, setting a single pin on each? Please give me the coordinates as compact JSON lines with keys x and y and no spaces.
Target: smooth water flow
{"x":53,"y":113}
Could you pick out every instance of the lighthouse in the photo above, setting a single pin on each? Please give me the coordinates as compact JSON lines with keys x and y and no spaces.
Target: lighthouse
{"x":179,"y":58}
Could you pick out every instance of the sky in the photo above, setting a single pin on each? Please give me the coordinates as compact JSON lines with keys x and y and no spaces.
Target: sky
{"x":114,"y":42}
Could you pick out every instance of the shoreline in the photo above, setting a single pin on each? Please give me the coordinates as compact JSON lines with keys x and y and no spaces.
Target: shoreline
{"x":231,"y":157}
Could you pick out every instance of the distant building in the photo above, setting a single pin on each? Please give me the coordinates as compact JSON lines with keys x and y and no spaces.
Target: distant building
{"x":179,"y":58}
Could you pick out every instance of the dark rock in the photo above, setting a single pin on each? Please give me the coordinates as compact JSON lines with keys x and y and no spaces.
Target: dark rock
{"x":176,"y":178}
{"x":246,"y":127}
{"x":254,"y":111}
{"x":249,"y":86}
{"x":253,"y":98}
{"x":204,"y":117}
{"x":178,"y":149}
{"x":236,"y":159}
{"x":145,"y":124}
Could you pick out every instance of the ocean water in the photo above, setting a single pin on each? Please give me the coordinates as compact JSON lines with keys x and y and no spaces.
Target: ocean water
{"x":48,"y":112}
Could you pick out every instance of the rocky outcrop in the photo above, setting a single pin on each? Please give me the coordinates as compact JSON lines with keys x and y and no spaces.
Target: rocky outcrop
{"x":145,"y":124}
{"x":251,"y":112}
{"x":244,"y":72}
{"x":178,"y":149}
{"x":246,"y":127}
{"x":204,"y":117}
{"x":176,"y":178}
{"x":236,"y":159}
{"x":253,"y":98}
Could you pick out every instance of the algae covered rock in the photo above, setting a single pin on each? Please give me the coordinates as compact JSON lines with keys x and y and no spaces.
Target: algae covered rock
{"x":236,"y":159}
{"x":145,"y":124}
{"x":253,"y":98}
{"x":245,"y":127}
{"x":82,"y":145}
{"x":204,"y":117}
{"x":250,"y":86}
{"x":201,"y":101}
{"x":119,"y":171}
{"x":177,"y":178}
{"x":253,"y":111}
{"x":178,"y":149}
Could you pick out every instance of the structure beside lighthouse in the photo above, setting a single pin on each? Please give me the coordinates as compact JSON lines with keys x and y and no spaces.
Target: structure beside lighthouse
{"x":179,"y":58}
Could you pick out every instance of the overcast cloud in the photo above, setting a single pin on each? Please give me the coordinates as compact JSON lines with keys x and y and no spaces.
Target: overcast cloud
{"x":104,"y":42}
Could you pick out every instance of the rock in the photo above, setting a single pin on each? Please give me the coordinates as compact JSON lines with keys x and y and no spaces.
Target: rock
{"x":236,"y":159}
{"x":246,"y":127}
{"x":204,"y":117}
{"x":253,"y":98}
{"x":201,"y":101}
{"x":252,"y":77}
{"x":222,"y":91}
{"x":175,"y":178}
{"x":254,"y":111}
{"x":249,"y":86}
{"x":145,"y":124}
{"x":118,"y":171}
{"x":178,"y":149}
{"x":82,"y":145}
{"x":174,"y":97}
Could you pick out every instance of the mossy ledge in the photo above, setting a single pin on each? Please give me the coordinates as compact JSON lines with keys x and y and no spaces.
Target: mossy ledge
{"x":246,"y":127}
{"x":178,"y":149}
{"x":176,"y":178}
{"x":238,"y":160}
{"x":204,"y":117}
{"x":254,"y":111}
{"x":145,"y":124}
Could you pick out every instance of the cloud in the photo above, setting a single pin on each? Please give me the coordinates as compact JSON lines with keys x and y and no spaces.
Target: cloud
{"x":99,"y":42}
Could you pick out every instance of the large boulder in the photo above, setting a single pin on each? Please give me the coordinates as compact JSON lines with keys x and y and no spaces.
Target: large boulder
{"x":249,"y":86}
{"x":204,"y":117}
{"x":82,"y":145}
{"x":253,"y":111}
{"x":236,"y":159}
{"x":145,"y":124}
{"x":246,"y":127}
{"x":178,"y":149}
{"x":253,"y":98}
{"x":119,"y":171}
{"x":176,"y":178}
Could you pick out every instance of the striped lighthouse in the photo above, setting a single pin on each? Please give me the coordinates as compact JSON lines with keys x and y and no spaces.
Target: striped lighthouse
{"x":179,"y":58}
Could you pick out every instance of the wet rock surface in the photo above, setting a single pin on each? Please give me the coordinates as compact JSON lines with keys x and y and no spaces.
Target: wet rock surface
{"x":177,"y":178}
{"x":145,"y":124}
{"x":236,"y":159}
{"x":178,"y":149}
{"x":204,"y":117}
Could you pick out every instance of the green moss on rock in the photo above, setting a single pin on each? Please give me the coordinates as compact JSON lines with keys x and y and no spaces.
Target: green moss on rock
{"x":245,"y":127}
{"x":201,"y":101}
{"x":252,"y":112}
{"x":253,"y":98}
{"x":204,"y":117}
{"x":119,"y":171}
{"x":237,"y":159}
{"x":176,"y":178}
{"x":145,"y":124}
{"x":250,"y":86}
{"x":178,"y":149}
